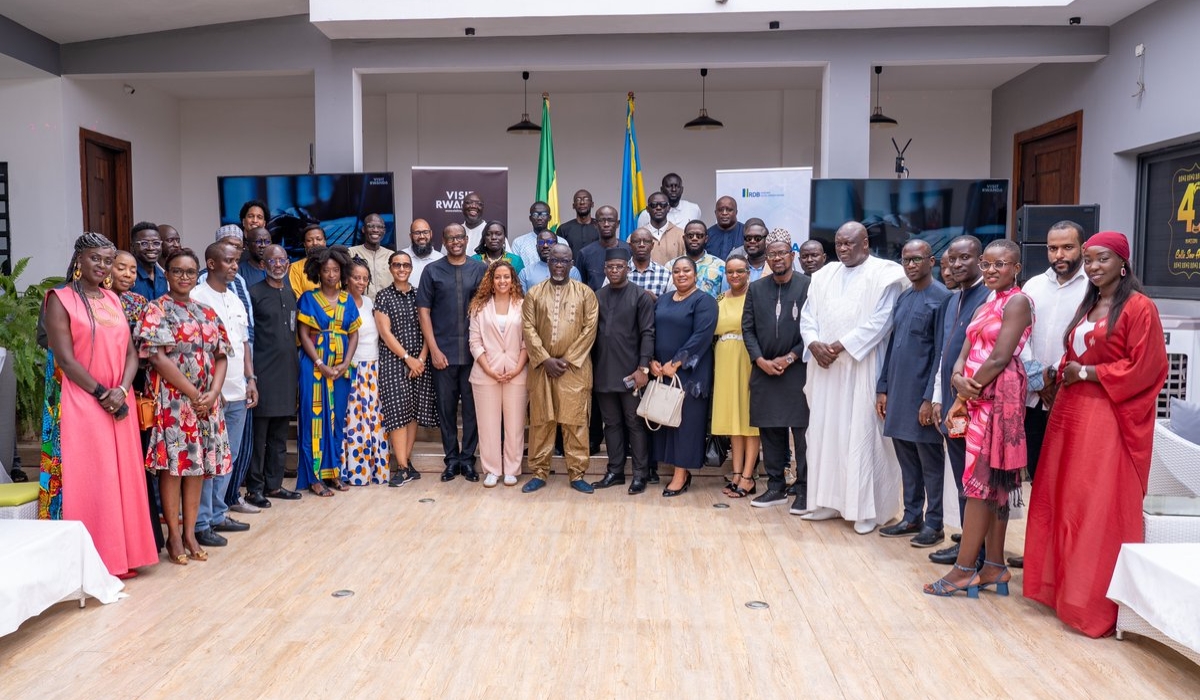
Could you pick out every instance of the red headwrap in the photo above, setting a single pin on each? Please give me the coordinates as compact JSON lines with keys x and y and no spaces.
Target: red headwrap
{"x":1116,"y":242}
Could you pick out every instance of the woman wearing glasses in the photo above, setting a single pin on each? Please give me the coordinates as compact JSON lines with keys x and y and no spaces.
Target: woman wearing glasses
{"x":186,"y":345}
{"x":990,"y":379}
{"x":405,"y":382}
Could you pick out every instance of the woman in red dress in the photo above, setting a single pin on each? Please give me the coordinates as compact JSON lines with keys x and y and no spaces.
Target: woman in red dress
{"x":1096,"y":457}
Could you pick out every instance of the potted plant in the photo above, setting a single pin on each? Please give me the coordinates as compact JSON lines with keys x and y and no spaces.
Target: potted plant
{"x":19,"y":310}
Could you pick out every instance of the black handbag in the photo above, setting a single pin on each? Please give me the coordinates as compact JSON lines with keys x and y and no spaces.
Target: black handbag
{"x":715,"y":451}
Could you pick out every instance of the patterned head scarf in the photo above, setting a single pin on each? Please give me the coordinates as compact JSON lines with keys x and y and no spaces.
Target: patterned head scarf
{"x":230,"y":231}
{"x":779,"y":235}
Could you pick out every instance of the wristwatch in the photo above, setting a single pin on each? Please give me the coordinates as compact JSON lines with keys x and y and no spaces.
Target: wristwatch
{"x":789,"y":358}
{"x":644,"y":370}
{"x":1083,"y":372}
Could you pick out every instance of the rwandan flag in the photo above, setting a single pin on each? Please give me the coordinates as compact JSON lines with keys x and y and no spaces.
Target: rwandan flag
{"x":633,"y":192}
{"x":547,"y":178}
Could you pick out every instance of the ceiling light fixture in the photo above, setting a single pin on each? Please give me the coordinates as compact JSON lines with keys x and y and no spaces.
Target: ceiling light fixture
{"x":525,"y":126}
{"x":703,"y":122}
{"x":878,"y":119}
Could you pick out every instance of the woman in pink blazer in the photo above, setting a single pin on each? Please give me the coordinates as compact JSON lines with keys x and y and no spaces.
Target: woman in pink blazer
{"x":498,"y":377}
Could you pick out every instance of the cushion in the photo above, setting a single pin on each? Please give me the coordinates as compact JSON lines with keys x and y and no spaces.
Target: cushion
{"x":1185,"y":420}
{"x":18,"y":494}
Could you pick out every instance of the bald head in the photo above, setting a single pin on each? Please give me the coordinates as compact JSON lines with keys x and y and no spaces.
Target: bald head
{"x":850,"y":242}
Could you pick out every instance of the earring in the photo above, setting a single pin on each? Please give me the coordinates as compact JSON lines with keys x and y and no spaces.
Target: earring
{"x":1124,"y":271}
{"x":76,"y":275}
{"x":107,"y":282}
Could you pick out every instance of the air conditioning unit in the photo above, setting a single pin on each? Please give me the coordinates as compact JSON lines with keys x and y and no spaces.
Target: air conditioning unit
{"x":1182,"y":334}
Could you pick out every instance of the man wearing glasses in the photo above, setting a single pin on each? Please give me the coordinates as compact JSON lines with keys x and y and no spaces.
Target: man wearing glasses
{"x":420,"y":250}
{"x":526,"y":244}
{"x":374,"y":254}
{"x":669,"y":237}
{"x":146,"y":245}
{"x":904,"y":398}
{"x":447,"y":286}
{"x":533,"y":275}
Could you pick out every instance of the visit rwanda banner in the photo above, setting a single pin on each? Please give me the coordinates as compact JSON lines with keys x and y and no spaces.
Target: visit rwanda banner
{"x":437,"y":195}
{"x":778,"y":196}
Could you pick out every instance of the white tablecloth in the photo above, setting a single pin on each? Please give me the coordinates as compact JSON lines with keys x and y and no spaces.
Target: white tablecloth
{"x":43,"y":562}
{"x":1161,"y":583}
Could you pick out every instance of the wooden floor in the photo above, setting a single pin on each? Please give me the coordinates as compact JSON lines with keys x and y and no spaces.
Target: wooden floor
{"x":497,"y":594}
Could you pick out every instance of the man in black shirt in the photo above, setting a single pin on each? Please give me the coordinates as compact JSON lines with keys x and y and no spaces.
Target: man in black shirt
{"x":581,"y":230}
{"x":447,"y":286}
{"x":590,"y":261}
{"x":621,"y":361}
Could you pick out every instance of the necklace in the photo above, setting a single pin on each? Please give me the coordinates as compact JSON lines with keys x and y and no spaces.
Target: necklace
{"x":685,"y":296}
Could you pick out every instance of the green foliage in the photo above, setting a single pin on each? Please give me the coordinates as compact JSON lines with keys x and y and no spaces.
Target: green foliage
{"x":18,"y":334}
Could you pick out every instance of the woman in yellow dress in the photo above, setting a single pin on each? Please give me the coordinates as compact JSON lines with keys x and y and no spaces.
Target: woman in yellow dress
{"x":731,"y":385}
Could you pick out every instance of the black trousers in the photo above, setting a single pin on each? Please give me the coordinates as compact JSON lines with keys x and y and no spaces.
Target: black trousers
{"x":451,"y":386}
{"x":1036,"y":418}
{"x":777,"y":455}
{"x":923,"y":470}
{"x":956,"y":448}
{"x":268,"y":456}
{"x":625,"y":433}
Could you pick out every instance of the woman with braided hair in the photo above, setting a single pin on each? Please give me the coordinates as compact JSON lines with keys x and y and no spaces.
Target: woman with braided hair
{"x":91,"y":453}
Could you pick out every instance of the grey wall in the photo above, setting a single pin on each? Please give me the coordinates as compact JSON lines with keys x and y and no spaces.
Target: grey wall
{"x":1116,"y":126}
{"x":28,"y":46}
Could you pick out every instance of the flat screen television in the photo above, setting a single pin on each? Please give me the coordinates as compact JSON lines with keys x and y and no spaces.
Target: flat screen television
{"x":896,"y":211}
{"x":336,"y":201}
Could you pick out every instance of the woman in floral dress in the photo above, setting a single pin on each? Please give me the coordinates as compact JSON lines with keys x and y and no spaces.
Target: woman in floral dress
{"x":186,"y":346}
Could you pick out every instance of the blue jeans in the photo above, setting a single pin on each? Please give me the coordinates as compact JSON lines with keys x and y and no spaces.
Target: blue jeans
{"x":213,"y":509}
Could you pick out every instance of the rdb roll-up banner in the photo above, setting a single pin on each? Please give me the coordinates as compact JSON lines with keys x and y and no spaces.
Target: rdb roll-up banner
{"x":437,"y":195}
{"x":778,"y":196}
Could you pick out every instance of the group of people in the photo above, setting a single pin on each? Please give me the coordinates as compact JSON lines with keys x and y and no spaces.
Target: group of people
{"x":873,"y":372}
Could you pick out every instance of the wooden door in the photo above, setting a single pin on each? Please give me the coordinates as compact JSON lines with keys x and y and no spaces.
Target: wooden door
{"x":1046,"y":162}
{"x":107,"y":188}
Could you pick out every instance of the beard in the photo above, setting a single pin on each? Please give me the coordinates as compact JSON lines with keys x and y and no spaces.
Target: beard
{"x":423,"y":251}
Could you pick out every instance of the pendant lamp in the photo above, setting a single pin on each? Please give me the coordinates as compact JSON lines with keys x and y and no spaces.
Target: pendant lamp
{"x":525,"y":126}
{"x":879,"y":120}
{"x":703,"y":122}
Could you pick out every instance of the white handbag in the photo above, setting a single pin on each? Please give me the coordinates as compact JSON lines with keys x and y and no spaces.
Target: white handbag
{"x":662,"y":403}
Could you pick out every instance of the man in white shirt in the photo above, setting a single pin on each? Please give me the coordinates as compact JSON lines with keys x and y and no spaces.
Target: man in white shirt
{"x":239,"y":391}
{"x":1056,"y":295}
{"x":421,"y":250}
{"x":375,"y":255}
{"x":472,"y":209}
{"x":681,"y":211}
{"x":525,"y":246}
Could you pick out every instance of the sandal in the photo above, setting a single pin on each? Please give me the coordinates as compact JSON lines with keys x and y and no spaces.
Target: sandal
{"x":1001,"y":586}
{"x":945,"y":589}
{"x":336,"y":485}
{"x":321,"y":490}
{"x":741,"y":491}
{"x":180,"y":559}
{"x":198,"y":555}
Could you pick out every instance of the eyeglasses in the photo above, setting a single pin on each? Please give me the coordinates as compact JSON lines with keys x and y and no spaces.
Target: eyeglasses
{"x":457,"y":237}
{"x":915,"y":261}
{"x":183,"y":274}
{"x":606,"y":220}
{"x":277,"y":261}
{"x":401,"y":266}
{"x":657,"y":205}
{"x":696,"y":236}
{"x":776,"y":256}
{"x":421,"y":232}
{"x":546,"y":243}
{"x":539,"y":215}
{"x":753,"y":239}
{"x":558,"y":261}
{"x":999,"y":265}
{"x":149,"y":244}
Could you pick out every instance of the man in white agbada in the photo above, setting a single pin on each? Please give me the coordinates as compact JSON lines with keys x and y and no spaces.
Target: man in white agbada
{"x":845,"y":323}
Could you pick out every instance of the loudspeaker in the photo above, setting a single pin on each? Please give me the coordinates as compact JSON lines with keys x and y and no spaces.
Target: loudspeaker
{"x":1034,"y":220}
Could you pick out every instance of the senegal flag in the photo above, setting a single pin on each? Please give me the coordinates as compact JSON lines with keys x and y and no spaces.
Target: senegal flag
{"x":547,"y":179}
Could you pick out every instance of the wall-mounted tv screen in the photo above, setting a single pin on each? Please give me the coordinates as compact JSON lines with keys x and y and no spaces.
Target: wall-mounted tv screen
{"x":336,"y":201}
{"x":898,"y":211}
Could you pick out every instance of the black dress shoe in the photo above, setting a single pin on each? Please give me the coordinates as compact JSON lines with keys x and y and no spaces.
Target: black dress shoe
{"x":928,"y":537}
{"x":956,"y":537}
{"x":948,"y":555}
{"x":609,"y":479}
{"x":468,"y":473}
{"x":1016,"y":562}
{"x":638,"y":486}
{"x":449,"y":473}
{"x":257,"y":500}
{"x":284,"y":495}
{"x":230,"y":525}
{"x":671,"y":493}
{"x":208,"y":538}
{"x":653,"y":478}
{"x":900,"y":529}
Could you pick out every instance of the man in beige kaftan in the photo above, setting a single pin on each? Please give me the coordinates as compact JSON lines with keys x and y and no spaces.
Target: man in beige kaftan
{"x":559,"y":317}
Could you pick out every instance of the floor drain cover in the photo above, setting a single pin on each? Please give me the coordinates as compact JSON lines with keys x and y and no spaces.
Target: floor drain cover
{"x":343,"y":593}
{"x":425,"y":500}
{"x":757,"y":605}
{"x":721,"y":505}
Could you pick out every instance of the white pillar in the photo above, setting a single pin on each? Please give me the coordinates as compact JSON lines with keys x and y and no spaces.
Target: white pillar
{"x":337,"y":99}
{"x":845,"y":119}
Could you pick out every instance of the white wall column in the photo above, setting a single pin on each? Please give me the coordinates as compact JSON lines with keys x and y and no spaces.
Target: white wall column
{"x":845,"y":119}
{"x":337,"y":99}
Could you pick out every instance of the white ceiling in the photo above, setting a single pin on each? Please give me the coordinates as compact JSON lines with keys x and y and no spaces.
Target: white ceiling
{"x":66,"y":21}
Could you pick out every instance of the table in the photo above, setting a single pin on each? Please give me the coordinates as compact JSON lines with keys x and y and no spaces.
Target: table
{"x":1159,"y":585}
{"x":43,"y":562}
